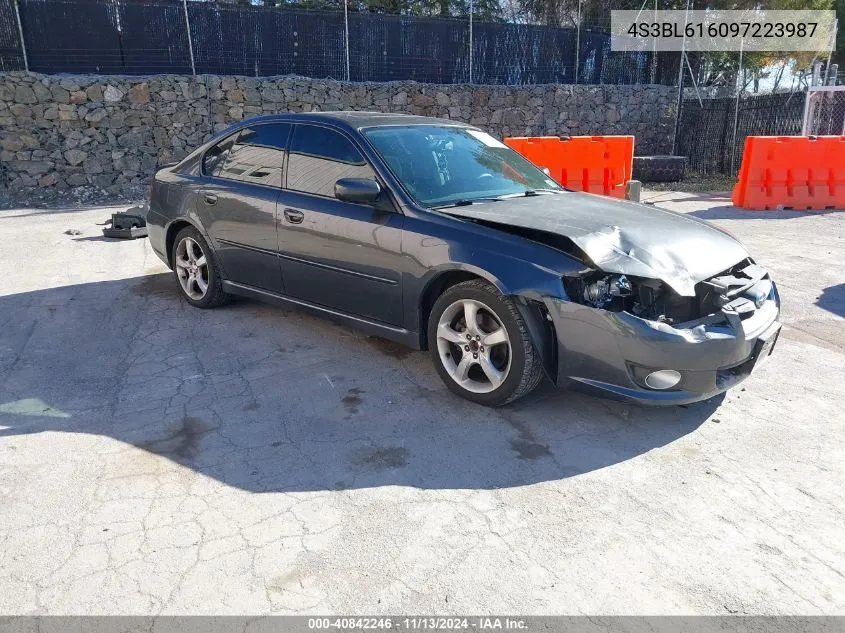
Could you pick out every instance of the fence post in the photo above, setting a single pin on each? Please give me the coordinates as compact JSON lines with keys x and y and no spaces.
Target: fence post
{"x":578,"y":42}
{"x":470,"y":39}
{"x":830,"y":51}
{"x":346,"y":34}
{"x":736,"y":107}
{"x":680,"y":105}
{"x":809,"y":112}
{"x":654,"y":51}
{"x":20,"y":34}
{"x":190,"y":43}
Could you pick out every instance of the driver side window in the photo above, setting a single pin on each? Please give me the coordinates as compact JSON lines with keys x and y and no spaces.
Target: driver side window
{"x":319,"y":157}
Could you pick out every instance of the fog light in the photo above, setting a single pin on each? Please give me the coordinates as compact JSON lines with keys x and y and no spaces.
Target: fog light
{"x":663,"y":379}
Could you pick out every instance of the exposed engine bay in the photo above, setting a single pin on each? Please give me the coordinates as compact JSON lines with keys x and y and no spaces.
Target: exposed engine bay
{"x":741,"y":289}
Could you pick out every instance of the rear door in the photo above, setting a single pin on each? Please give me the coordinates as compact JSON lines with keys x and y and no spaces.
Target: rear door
{"x":238,"y":203}
{"x":337,"y":254}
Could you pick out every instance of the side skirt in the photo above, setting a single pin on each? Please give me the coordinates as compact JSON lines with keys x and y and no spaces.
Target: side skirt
{"x":372,"y":328}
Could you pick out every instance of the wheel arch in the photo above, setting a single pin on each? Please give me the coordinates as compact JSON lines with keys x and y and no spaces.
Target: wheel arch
{"x":436,"y":286}
{"x":541,"y":329}
{"x":533,"y":311}
{"x":172,"y":231}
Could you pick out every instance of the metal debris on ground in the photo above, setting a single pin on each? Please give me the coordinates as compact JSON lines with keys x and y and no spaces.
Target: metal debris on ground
{"x":130,"y":224}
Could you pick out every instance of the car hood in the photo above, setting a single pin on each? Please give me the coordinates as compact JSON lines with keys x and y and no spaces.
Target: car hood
{"x":620,"y":236}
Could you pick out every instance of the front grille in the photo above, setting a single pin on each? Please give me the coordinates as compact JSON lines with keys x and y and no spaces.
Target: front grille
{"x":740,"y":290}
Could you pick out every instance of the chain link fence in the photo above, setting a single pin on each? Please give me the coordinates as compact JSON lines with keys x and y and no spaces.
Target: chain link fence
{"x":715,"y":119}
{"x":181,"y":36}
{"x":711,"y":132}
{"x":138,"y":37}
{"x":824,"y":112}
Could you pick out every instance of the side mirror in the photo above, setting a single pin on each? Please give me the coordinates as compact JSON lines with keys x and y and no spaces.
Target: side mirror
{"x":357,"y":190}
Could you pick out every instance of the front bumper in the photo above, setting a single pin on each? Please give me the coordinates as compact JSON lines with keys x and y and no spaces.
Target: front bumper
{"x":608,"y":352}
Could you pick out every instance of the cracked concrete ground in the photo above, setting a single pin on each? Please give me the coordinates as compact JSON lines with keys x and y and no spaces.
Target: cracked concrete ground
{"x":156,"y":458}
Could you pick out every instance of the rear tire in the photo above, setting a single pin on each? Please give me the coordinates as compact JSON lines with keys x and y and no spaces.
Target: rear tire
{"x":196,"y":270}
{"x":480,"y":345}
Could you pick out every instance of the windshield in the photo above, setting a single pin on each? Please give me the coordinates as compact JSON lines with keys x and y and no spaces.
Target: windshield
{"x":445,"y":166}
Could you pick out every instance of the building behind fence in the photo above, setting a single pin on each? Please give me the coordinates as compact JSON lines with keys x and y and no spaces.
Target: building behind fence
{"x":180,"y":37}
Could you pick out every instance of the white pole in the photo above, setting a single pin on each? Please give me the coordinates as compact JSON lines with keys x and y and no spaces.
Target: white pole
{"x":654,"y":52}
{"x":736,"y":107}
{"x":346,"y":33}
{"x":694,"y":84}
{"x":817,"y":70}
{"x":805,"y":125}
{"x":830,"y":52}
{"x":20,"y":33}
{"x":190,"y":42}
{"x":680,"y":103}
{"x":470,"y":39}
{"x":578,"y":42}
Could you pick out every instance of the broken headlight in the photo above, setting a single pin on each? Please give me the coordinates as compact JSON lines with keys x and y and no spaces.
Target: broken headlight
{"x":645,"y":298}
{"x":744,"y":288}
{"x":599,"y":290}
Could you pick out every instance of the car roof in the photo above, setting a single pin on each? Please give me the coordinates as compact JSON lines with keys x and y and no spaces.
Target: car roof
{"x":356,"y":120}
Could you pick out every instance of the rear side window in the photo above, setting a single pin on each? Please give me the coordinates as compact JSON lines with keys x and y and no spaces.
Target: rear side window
{"x":319,"y":157}
{"x":257,"y":155}
{"x":215,"y":157}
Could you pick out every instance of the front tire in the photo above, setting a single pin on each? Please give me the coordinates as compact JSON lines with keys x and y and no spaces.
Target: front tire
{"x":480,"y":345}
{"x":196,"y":270}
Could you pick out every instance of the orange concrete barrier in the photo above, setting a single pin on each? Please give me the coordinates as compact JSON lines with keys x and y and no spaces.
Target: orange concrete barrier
{"x":597,"y":164}
{"x":791,"y":172}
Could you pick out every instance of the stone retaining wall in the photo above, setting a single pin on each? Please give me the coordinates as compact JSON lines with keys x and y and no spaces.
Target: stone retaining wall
{"x":109,"y":132}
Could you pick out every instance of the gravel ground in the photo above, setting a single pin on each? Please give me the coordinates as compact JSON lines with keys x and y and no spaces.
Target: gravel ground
{"x":77,"y":197}
{"x":155,"y":458}
{"x":695,"y":183}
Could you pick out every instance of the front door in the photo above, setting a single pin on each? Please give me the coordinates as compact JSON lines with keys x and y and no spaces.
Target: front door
{"x":337,"y":254}
{"x":238,"y":203}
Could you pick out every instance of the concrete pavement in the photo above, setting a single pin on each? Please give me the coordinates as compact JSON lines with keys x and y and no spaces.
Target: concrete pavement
{"x":156,"y":458}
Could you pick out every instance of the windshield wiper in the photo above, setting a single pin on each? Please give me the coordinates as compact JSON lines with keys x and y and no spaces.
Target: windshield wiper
{"x":528,"y":193}
{"x":465,"y":202}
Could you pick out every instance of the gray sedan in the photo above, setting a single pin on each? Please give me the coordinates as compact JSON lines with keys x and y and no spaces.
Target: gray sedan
{"x":434,"y":234}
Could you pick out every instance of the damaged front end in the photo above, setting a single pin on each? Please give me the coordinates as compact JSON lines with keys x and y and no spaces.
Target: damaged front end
{"x":625,"y":335}
{"x":738,"y":291}
{"x":666,"y":309}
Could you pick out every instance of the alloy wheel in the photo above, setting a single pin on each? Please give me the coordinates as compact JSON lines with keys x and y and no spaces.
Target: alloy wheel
{"x":474,"y":346}
{"x":192,"y":268}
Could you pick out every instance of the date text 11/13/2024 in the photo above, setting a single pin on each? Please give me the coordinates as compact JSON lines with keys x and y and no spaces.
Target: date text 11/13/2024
{"x":418,"y":623}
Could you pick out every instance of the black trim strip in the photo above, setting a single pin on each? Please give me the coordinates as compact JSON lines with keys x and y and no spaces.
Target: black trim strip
{"x":264,"y":251}
{"x":232,"y":285}
{"x":309,"y":262}
{"x":336,"y":269}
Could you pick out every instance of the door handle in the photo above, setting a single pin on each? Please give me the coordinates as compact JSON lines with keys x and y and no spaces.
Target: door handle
{"x":210,"y":198}
{"x":293,"y":216}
